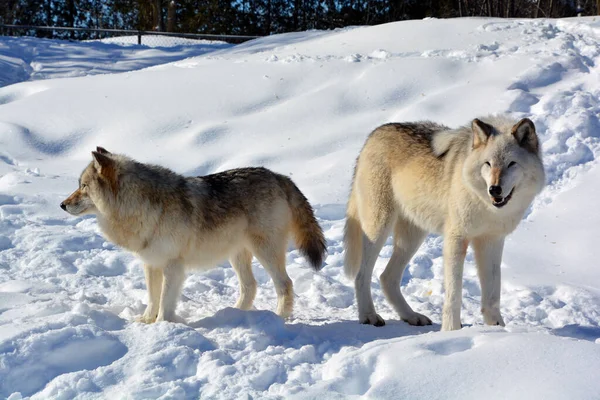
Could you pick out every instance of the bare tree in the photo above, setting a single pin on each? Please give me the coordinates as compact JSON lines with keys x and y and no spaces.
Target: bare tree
{"x":171,"y":16}
{"x":158,"y":15}
{"x":537,"y":9}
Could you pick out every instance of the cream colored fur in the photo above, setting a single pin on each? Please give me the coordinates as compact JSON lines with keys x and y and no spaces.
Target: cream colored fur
{"x":413,"y":179}
{"x":175,"y":223}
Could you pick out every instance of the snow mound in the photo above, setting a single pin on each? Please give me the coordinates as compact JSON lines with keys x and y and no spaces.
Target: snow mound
{"x":25,"y":58}
{"x":432,"y":366}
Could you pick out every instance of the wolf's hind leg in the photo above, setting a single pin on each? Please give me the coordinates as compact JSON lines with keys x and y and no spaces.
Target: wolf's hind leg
{"x":271,"y":254}
{"x":407,"y":239}
{"x":154,"y":279}
{"x":488,"y":256}
{"x":376,"y":210}
{"x":242,"y":265}
{"x":375,"y":217}
{"x":362,"y":282}
{"x":173,"y":278}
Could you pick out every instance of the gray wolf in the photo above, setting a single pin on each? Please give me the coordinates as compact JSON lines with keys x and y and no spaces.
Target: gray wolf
{"x":472,"y":185}
{"x":175,"y":223}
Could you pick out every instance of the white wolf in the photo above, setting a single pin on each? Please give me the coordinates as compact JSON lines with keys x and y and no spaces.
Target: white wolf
{"x":472,"y":184}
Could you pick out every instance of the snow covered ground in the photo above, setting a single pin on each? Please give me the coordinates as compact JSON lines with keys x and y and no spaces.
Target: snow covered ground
{"x":24,"y":58}
{"x":301,"y":104}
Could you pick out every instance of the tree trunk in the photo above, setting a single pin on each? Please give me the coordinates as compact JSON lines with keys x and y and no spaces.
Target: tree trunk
{"x":49,"y":15}
{"x":510,"y":8}
{"x":158,"y":16}
{"x":171,"y":16}
{"x":70,"y":16}
{"x":296,"y":14}
{"x":304,"y":17}
{"x":12,"y":9}
{"x":269,"y":21}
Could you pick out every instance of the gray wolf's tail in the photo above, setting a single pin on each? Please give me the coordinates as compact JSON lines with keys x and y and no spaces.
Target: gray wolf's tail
{"x":352,"y":240}
{"x":306,"y":230}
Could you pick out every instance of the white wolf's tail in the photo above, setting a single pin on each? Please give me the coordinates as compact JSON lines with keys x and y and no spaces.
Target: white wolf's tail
{"x":352,"y":240}
{"x":307,"y":232}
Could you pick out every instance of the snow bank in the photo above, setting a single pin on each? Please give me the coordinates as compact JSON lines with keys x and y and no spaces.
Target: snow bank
{"x":26,"y":58}
{"x":469,"y":364}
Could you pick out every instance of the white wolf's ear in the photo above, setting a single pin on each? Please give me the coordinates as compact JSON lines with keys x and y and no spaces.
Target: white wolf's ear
{"x":481,"y":132}
{"x":102,"y":162}
{"x":524,"y":132}
{"x":102,"y":150}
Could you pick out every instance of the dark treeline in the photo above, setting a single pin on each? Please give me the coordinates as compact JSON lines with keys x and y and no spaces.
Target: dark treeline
{"x":263,"y":17}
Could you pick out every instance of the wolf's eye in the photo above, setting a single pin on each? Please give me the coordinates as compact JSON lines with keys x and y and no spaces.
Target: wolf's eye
{"x":83,"y":185}
{"x":488,"y":164}
{"x":510,"y":164}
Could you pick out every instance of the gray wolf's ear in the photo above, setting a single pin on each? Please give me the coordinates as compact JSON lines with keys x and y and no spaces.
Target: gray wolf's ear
{"x":481,"y":132}
{"x":102,"y":150}
{"x":102,"y":162}
{"x":524,"y":133}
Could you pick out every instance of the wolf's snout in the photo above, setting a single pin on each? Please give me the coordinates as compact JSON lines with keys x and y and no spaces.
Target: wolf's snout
{"x":495,"y":191}
{"x":63,"y":206}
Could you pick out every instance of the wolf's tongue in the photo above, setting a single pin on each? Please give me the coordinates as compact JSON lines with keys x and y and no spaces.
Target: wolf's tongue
{"x":498,"y":199}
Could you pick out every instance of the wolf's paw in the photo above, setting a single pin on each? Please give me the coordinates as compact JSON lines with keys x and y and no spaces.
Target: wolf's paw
{"x":144,"y":319}
{"x":170,"y":318}
{"x":243,"y":305}
{"x":492,"y":317}
{"x":371,"y":319}
{"x":416,"y":319}
{"x":450,"y":319}
{"x":285,"y":314}
{"x":451,"y":324}
{"x":285,"y":306}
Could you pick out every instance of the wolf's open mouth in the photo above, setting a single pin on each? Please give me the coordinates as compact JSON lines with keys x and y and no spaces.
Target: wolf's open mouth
{"x":499,"y":202}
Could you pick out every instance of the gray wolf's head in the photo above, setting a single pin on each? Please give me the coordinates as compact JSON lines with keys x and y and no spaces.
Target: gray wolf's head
{"x":97,"y":185}
{"x":504,"y":166}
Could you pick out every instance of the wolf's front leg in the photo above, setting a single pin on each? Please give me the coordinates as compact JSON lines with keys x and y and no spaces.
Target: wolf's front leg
{"x":173,"y":278}
{"x":455,"y":250}
{"x":154,"y":281}
{"x":488,"y":255}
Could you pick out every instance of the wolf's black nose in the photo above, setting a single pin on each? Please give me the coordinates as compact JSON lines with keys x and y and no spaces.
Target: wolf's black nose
{"x":63,"y":206}
{"x":495,"y":191}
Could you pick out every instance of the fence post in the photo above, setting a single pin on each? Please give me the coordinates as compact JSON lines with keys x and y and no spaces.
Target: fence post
{"x":140,"y":37}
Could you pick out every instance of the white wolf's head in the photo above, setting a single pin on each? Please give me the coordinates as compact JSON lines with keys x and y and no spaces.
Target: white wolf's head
{"x":504,"y":167}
